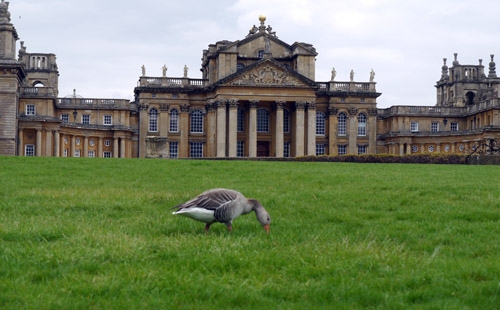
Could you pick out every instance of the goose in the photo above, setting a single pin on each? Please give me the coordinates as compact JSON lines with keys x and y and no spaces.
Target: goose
{"x":222,"y":205}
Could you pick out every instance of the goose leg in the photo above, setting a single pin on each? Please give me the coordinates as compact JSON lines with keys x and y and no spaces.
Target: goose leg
{"x":207,"y":227}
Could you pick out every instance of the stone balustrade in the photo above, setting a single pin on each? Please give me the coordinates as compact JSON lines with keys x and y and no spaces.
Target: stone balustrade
{"x":171,"y":82}
{"x":92,"y":103}
{"x":347,"y":86}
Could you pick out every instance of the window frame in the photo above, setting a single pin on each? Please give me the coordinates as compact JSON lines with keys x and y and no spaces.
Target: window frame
{"x":362,"y":124}
{"x":342,"y":124}
{"x":30,"y":109}
{"x":107,"y":120}
{"x":320,"y":124}
{"x":153,"y":120}
{"x":174,"y":121}
{"x":196,"y":121}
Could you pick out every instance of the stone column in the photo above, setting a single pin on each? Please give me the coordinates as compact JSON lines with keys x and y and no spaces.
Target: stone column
{"x":85,"y":147}
{"x":252,"y":128}
{"x":72,"y":146}
{"x":184,"y":130}
{"x":48,"y":142}
{"x":123,"y":147}
{"x":353,"y":130}
{"x":38,"y":142}
{"x":143,"y":130}
{"x":279,"y":138}
{"x":164,"y":120}
{"x":211,"y":129}
{"x":20,"y":147}
{"x":233,"y":127}
{"x":100,"y":148}
{"x":332,"y":132}
{"x":116,"y":148}
{"x":57,"y":143}
{"x":221,"y":128}
{"x":372,"y":131}
{"x":299,"y":128}
{"x":311,"y":128}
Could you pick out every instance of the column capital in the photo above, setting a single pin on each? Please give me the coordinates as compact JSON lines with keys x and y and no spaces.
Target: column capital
{"x":143,"y":107}
{"x":333,"y":111}
{"x":164,"y":107}
{"x":210,"y":106}
{"x":279,"y":105}
{"x":311,"y":105}
{"x":220,"y":103}
{"x":352,"y":111}
{"x":300,"y":105}
{"x":185,"y":108}
{"x":233,"y":103}
{"x":252,"y":104}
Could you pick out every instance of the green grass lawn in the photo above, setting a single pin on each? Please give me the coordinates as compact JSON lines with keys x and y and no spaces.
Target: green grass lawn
{"x":98,"y":233}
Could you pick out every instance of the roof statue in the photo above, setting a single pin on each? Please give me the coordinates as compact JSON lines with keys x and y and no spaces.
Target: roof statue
{"x":4,"y":11}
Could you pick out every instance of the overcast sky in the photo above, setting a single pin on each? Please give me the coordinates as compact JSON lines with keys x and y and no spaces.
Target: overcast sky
{"x":101,"y":44}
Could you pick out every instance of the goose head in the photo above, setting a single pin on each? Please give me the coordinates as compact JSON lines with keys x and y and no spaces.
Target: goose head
{"x":262,"y":216}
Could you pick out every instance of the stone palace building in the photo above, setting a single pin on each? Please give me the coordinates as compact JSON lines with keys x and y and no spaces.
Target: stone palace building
{"x":257,"y":97}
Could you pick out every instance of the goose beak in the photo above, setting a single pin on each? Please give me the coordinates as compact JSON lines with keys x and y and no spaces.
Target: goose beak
{"x":267,"y":228}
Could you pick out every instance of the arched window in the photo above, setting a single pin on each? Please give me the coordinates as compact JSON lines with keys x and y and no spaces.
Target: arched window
{"x":362,"y":124}
{"x":262,"y":120}
{"x":153,"y":120}
{"x":197,"y":121}
{"x":174,"y":120}
{"x":241,"y":120}
{"x":286,"y":121}
{"x":320,"y":124}
{"x":342,"y":124}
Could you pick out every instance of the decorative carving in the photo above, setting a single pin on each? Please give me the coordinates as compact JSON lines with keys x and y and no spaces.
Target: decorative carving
{"x":143,"y":107}
{"x":311,"y":105}
{"x":267,"y":75}
{"x":352,"y":111}
{"x":164,"y":107}
{"x":300,"y":105}
{"x":220,"y":103}
{"x":233,"y":103}
{"x":333,"y":111}
{"x":210,"y":106}
{"x":279,"y":105}
{"x":184,"y":108}
{"x":372,"y":111}
{"x":252,"y":104}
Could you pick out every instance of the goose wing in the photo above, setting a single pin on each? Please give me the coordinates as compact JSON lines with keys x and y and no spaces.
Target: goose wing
{"x":211,"y":200}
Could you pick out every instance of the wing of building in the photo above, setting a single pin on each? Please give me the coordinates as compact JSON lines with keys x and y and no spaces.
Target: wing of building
{"x":257,"y":97}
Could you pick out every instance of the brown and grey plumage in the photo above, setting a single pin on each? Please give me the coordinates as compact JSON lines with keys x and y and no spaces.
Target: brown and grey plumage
{"x":222,"y":205}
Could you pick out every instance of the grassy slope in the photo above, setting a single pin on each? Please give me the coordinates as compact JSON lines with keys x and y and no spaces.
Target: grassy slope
{"x":80,"y":233}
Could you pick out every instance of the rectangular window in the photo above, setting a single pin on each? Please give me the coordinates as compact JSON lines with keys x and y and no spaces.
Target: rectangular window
{"x":77,"y":153}
{"x":108,"y":120}
{"x":286,"y":149}
{"x":196,"y":150}
{"x":173,"y":149}
{"x":65,"y":153}
{"x":106,"y":154}
{"x":29,"y":150}
{"x":454,"y":126}
{"x":91,"y":154}
{"x":65,"y":118}
{"x":414,"y":127}
{"x":240,"y":149}
{"x":435,"y":126}
{"x":86,"y":119}
{"x":241,"y":120}
{"x":342,"y":149}
{"x":362,"y":149}
{"x":320,"y":149}
{"x":30,"y":109}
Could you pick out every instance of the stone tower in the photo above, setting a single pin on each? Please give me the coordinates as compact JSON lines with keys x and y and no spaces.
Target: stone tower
{"x":11,"y":77}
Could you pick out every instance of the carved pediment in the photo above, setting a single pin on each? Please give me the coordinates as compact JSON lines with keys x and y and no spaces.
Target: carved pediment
{"x":266,"y":75}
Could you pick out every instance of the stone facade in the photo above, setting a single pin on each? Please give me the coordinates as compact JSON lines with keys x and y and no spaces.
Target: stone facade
{"x":256,"y":97}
